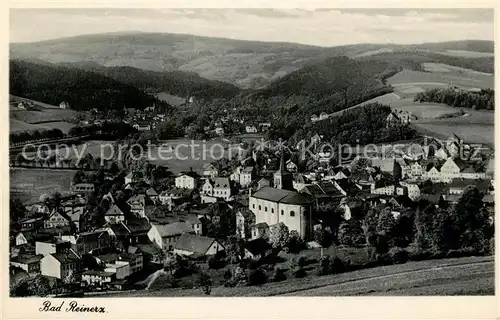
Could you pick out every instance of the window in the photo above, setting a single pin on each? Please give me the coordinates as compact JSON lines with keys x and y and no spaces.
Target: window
{"x":253,"y":206}
{"x":292,"y":213}
{"x":282,"y":212}
{"x":260,"y":208}
{"x":272,"y":210}
{"x":265,"y":209}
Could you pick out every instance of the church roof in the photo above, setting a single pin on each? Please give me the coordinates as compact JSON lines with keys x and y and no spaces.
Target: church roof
{"x":281,"y":196}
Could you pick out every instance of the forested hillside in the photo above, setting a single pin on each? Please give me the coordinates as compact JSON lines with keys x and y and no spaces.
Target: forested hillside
{"x":83,"y":90}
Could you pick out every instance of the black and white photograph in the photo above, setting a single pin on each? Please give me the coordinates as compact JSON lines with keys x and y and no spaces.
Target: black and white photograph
{"x":259,"y":152}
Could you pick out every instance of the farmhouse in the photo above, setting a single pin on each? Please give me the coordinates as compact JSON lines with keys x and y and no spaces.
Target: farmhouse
{"x":189,"y":244}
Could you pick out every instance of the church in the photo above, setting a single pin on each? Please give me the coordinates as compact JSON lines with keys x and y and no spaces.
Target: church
{"x":281,"y":203}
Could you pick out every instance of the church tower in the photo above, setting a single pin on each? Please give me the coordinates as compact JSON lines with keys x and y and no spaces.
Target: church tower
{"x":282,"y":178}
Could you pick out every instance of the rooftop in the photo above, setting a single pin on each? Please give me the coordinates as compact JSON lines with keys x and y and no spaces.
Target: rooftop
{"x":194,"y":243}
{"x":280,"y":195}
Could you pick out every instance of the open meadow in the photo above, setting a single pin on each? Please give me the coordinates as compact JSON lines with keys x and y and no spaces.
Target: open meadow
{"x":28,"y":184}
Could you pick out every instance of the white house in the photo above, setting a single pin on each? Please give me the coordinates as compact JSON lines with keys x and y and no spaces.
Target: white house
{"x":291,"y":166}
{"x":64,"y":105}
{"x":450,"y":170}
{"x":165,"y":235}
{"x":251,"y":129}
{"x":210,"y":171}
{"x":114,"y":215}
{"x":218,"y":187}
{"x":60,"y":265}
{"x":185,"y":181}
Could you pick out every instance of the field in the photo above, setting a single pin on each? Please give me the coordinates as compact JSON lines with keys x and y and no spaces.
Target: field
{"x":408,"y":82}
{"x":470,"y":133}
{"x":459,"y":276}
{"x":29,"y":184}
{"x":19,"y":126}
{"x":467,"y":54}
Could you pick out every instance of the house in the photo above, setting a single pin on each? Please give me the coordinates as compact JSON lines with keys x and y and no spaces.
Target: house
{"x":114,"y":215}
{"x":251,"y":129}
{"x":244,"y":220}
{"x":314,"y":118}
{"x":246,"y":176}
{"x":30,"y":237}
{"x":64,"y":105}
{"x":55,"y":245}
{"x":272,"y":205}
{"x":264,"y":125}
{"x":142,"y":126}
{"x":175,"y":196}
{"x":83,"y":188}
{"x":120,"y":269}
{"x":129,"y":178}
{"x":219,"y":131}
{"x":189,"y":244}
{"x":471,"y":173}
{"x":352,"y":208}
{"x":392,"y":119}
{"x":291,"y":166}
{"x":388,"y":165}
{"x":450,"y":170}
{"x":165,"y":235}
{"x":458,"y":185}
{"x":210,"y":171}
{"x":256,"y":249}
{"x":416,"y":170}
{"x":441,"y":154}
{"x":86,"y":242}
{"x":260,"y":230}
{"x":432,"y":173}
{"x":186,"y":181}
{"x":152,"y":194}
{"x":56,"y":220}
{"x":138,"y":204}
{"x":29,"y":263}
{"x":218,"y":187}
{"x":60,"y":265}
{"x":413,"y":190}
{"x":299,"y":181}
{"x":96,"y":278}
{"x":31,"y":224}
{"x":383,"y":187}
{"x":74,"y":213}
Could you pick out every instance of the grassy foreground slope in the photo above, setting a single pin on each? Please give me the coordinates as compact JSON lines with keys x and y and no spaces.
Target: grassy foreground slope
{"x":457,"y":276}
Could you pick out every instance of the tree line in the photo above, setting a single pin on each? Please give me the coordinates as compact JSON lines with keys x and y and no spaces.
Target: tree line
{"x":484,"y":99}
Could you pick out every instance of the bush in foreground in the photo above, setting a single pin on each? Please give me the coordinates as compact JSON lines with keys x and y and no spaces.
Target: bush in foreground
{"x":256,"y":277}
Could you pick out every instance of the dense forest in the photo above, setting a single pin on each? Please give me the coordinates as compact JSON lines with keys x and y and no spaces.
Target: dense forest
{"x":413,"y":60}
{"x":484,"y":99}
{"x":83,"y":90}
{"x":361,"y":125}
{"x":177,"y":83}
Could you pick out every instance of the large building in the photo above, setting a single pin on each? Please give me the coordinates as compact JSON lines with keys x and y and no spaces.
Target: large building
{"x":273,"y":205}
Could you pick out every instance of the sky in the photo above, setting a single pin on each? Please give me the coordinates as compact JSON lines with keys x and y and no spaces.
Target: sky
{"x":322,"y":27}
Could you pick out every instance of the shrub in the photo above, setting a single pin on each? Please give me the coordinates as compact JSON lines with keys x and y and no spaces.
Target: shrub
{"x":227,"y":274}
{"x":324,"y":266}
{"x":398,"y":255}
{"x":253,"y":265}
{"x":278,"y":275}
{"x":295,"y":243}
{"x":215,"y":263}
{"x":256,"y":277}
{"x":300,"y":261}
{"x":419,"y":255}
{"x":337,"y":266}
{"x":383,"y":259}
{"x":299,"y":272}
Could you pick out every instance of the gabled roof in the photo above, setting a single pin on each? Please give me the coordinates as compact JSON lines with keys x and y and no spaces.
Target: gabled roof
{"x":151,"y":192}
{"x":193,"y":243}
{"x":261,"y":225}
{"x":27,"y":259}
{"x":67,"y":257}
{"x":247,"y":170}
{"x":114,"y":211}
{"x":280,"y":195}
{"x":221,"y":182}
{"x":172,"y":229}
{"x":247,"y":214}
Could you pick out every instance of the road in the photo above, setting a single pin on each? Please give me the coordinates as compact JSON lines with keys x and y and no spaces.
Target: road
{"x":475,"y":278}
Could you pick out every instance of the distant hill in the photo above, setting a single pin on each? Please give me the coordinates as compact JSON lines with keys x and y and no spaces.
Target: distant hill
{"x":178,"y":83}
{"x":247,"y":64}
{"x":83,"y":90}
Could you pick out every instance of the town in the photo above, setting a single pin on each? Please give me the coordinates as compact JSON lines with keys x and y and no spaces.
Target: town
{"x":234,"y":222}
